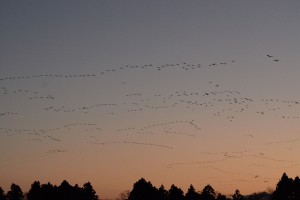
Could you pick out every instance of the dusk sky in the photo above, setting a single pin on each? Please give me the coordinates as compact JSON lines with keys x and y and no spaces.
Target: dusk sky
{"x":178,"y":92}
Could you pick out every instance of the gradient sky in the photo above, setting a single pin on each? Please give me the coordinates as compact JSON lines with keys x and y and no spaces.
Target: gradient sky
{"x":177,"y":92}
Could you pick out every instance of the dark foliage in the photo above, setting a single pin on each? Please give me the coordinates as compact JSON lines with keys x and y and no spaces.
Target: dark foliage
{"x":192,"y":194}
{"x":2,"y":194}
{"x":259,"y":196}
{"x":35,"y":191}
{"x":143,"y":190}
{"x":162,"y":193}
{"x":221,"y":197}
{"x":208,"y":193}
{"x":15,"y":193}
{"x":287,"y":188}
{"x":175,"y":193}
{"x":63,"y":192}
{"x":237,"y":195}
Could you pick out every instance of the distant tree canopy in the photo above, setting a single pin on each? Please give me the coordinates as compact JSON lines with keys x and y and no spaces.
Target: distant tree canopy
{"x":15,"y":193}
{"x":259,"y":196}
{"x":221,"y":197}
{"x":63,"y":192}
{"x":175,"y":193}
{"x":192,"y":194}
{"x":143,"y":190}
{"x":237,"y":195}
{"x":2,"y":194}
{"x":286,"y":189}
{"x":208,"y":193}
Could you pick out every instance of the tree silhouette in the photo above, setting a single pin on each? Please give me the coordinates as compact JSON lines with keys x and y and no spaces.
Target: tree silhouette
{"x":15,"y":192}
{"x":286,"y":189}
{"x":77,"y":193}
{"x":64,"y":191}
{"x":259,"y":196}
{"x":237,"y":195}
{"x":162,"y":193}
{"x":192,"y":194}
{"x":221,"y":197}
{"x":35,"y":191}
{"x":2,"y":194}
{"x":143,"y":190}
{"x":89,"y":192}
{"x":175,"y":193}
{"x":208,"y":193}
{"x":283,"y":188}
{"x":48,"y":191}
{"x":296,"y":188}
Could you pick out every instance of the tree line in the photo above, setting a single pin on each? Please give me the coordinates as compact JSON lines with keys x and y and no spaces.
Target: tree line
{"x":286,"y":189}
{"x":143,"y":190}
{"x":39,"y":191}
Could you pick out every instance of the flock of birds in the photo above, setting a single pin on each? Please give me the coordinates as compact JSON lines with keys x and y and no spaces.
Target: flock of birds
{"x":214,"y":101}
{"x":181,"y":66}
{"x":222,"y":103}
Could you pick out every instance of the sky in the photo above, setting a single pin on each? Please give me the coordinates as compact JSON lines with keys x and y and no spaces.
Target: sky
{"x":178,"y":92}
